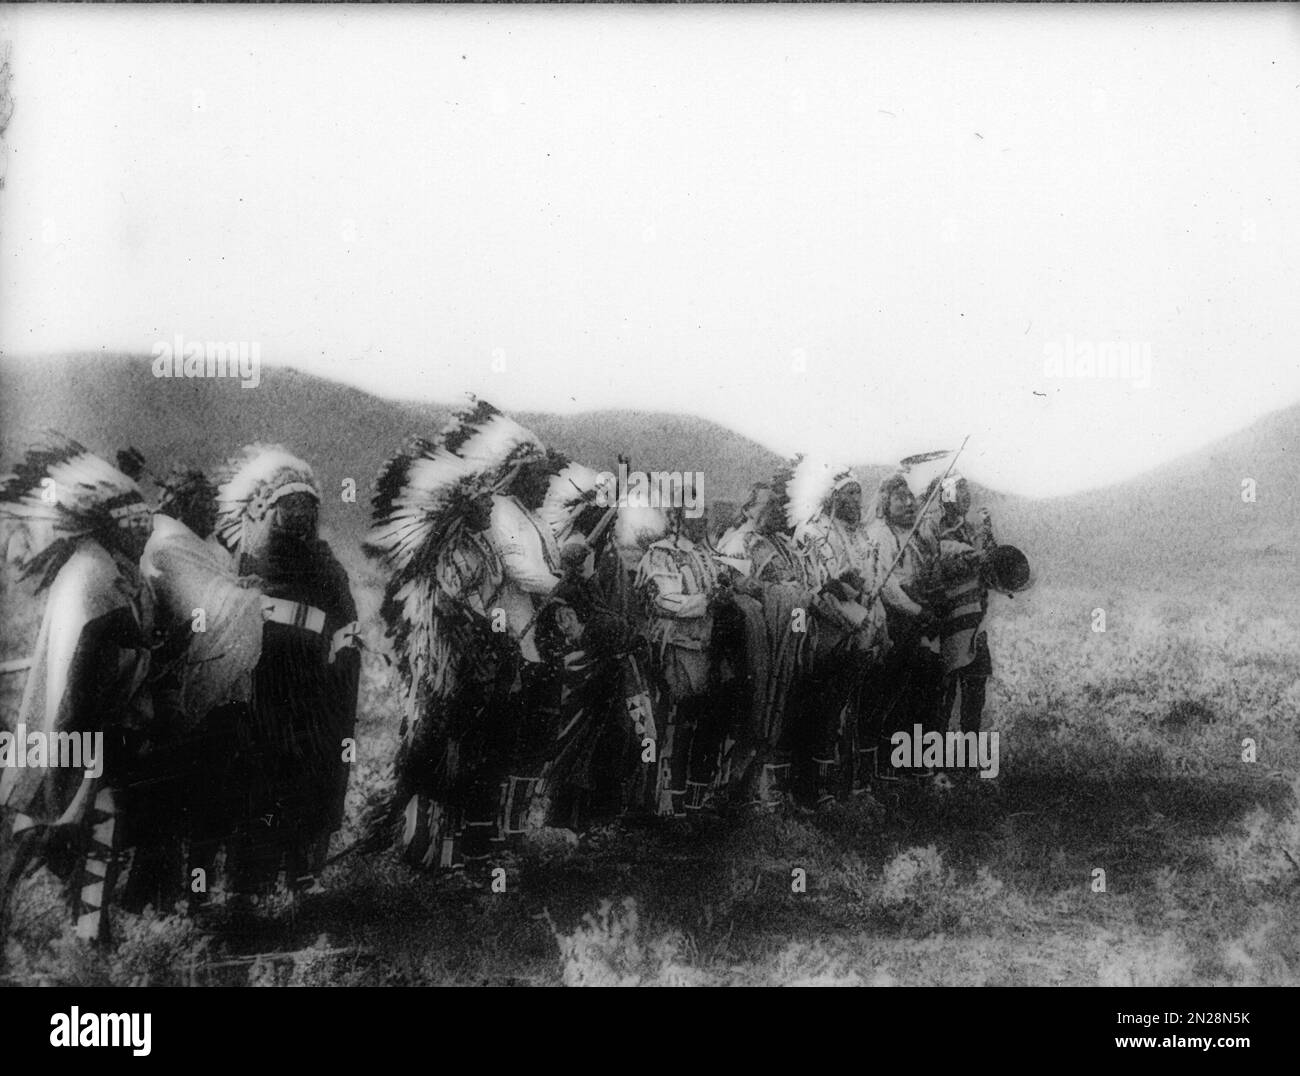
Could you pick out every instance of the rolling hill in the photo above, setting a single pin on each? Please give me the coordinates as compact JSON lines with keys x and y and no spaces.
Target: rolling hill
{"x":108,"y":402}
{"x":1179,"y":520}
{"x":1186,"y":519}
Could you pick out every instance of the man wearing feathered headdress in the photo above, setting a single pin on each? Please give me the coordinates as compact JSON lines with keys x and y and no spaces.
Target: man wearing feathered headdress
{"x":469,"y":607}
{"x":825,"y":511}
{"x":595,"y":770}
{"x":302,"y":705}
{"x":86,"y":524}
{"x":519,"y":736}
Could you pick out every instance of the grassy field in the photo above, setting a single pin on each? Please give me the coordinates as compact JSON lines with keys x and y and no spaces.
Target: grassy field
{"x":1120,"y":751}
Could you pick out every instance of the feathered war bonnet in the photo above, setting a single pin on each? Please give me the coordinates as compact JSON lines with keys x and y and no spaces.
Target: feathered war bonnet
{"x":425,"y":492}
{"x":251,"y":485}
{"x":425,"y":500}
{"x":62,"y":493}
{"x":495,"y":444}
{"x":573,"y":488}
{"x":807,"y":487}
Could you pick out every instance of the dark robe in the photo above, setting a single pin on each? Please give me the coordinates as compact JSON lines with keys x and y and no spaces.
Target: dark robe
{"x":301,"y":712}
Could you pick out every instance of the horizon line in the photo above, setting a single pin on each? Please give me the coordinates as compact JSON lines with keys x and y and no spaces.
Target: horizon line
{"x":108,"y":354}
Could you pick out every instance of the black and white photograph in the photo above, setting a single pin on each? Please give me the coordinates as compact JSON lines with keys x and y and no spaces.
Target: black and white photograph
{"x":651,"y":495}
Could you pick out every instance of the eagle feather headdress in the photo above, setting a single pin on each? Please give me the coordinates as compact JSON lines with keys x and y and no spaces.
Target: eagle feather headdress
{"x":422,"y":499}
{"x":808,"y":485}
{"x":59,"y":494}
{"x":252,"y":483}
{"x":576,"y":486}
{"x":572,"y":488}
{"x":425,"y":488}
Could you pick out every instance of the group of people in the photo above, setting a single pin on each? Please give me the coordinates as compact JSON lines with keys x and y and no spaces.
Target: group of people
{"x":201,"y":645}
{"x":563,"y":657}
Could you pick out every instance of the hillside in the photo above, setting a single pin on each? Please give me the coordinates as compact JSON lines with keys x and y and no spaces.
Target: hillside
{"x":110,"y":402}
{"x":1183,"y":520}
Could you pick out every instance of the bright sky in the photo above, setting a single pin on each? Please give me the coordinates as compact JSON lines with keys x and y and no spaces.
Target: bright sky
{"x":844,"y":229}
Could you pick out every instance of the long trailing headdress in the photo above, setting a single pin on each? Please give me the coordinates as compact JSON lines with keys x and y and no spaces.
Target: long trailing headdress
{"x":423,"y":500}
{"x":62,"y":493}
{"x":426,"y":510}
{"x":251,"y":484}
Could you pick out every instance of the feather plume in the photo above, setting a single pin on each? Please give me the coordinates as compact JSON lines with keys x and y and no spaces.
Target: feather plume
{"x":572,"y":488}
{"x":59,"y":494}
{"x":483,"y":437}
{"x":924,"y":468}
{"x":809,"y":486}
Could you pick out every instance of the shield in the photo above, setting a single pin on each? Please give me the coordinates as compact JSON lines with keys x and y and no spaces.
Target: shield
{"x":1006,"y":569}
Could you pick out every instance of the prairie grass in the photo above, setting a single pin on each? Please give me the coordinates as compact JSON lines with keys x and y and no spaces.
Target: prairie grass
{"x":1121,"y":751}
